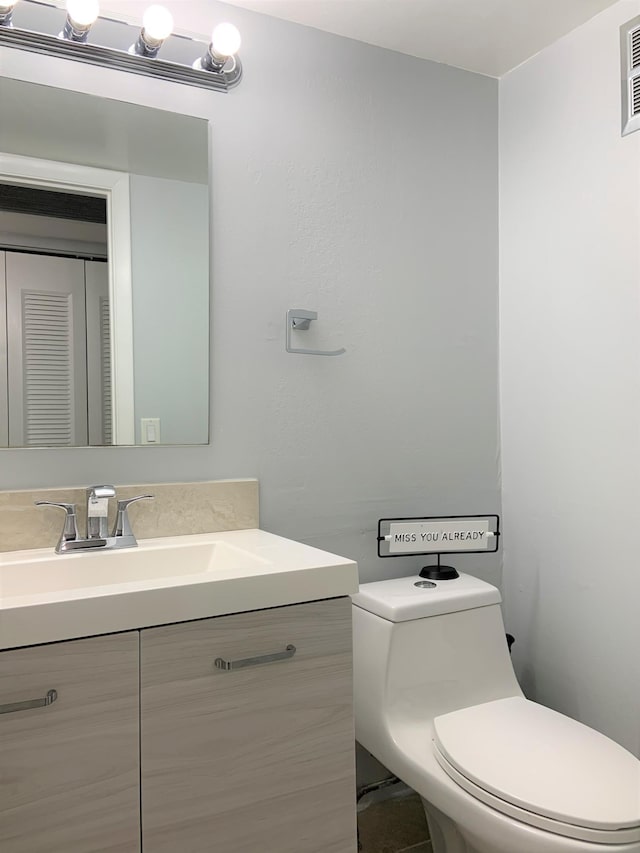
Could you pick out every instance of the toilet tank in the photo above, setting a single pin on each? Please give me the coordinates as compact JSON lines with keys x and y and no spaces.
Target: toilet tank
{"x":421,"y":651}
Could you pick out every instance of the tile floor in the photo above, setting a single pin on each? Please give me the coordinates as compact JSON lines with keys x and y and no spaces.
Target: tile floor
{"x":394,"y":825}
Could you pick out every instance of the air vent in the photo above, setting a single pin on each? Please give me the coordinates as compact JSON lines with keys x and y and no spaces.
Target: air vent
{"x":24,"y":199}
{"x":630,"y":66}
{"x":635,"y":48}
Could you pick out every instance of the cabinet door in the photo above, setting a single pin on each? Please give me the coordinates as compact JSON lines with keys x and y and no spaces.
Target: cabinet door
{"x":254,"y":758}
{"x":69,"y":771}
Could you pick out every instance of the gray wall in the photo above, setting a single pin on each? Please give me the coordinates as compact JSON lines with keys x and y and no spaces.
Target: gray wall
{"x":570,"y":372}
{"x":362,"y":184}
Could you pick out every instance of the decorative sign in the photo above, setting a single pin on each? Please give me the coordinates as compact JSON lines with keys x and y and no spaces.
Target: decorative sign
{"x":439,"y":535}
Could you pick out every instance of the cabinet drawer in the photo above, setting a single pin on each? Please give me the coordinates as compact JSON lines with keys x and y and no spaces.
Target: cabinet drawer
{"x":259,"y":757}
{"x":69,"y":771}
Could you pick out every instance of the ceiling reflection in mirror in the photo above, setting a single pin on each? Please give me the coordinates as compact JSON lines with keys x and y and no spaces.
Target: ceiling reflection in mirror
{"x":104,"y":326}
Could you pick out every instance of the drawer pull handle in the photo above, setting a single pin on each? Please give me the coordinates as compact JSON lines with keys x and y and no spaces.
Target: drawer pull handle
{"x":227,"y":665}
{"x":49,"y":699}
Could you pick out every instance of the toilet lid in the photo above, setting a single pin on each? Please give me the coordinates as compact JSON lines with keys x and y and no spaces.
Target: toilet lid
{"x":543,"y":762}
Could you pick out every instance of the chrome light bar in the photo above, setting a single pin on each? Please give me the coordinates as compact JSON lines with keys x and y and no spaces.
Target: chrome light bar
{"x":35,"y":26}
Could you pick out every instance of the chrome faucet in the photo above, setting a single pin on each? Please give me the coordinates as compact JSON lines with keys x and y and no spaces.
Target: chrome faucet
{"x":97,"y":522}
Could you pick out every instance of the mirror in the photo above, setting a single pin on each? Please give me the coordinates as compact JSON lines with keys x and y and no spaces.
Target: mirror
{"x":151,"y":168}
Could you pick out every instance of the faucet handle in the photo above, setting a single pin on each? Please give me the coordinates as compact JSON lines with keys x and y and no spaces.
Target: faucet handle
{"x":122,"y":526}
{"x":70,"y":529}
{"x":70,"y":509}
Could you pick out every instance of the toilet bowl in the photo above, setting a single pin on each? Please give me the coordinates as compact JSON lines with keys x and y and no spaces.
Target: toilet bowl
{"x":437,"y":702}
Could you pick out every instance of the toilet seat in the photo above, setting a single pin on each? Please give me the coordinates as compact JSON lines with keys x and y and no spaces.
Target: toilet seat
{"x":543,"y":769}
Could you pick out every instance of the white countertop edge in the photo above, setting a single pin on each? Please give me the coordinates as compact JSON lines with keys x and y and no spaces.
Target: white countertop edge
{"x":292,"y":573}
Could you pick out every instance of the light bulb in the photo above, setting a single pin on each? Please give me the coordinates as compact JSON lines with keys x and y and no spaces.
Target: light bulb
{"x":6,"y":12}
{"x":83,"y":13}
{"x":157,"y":23}
{"x":225,"y":40}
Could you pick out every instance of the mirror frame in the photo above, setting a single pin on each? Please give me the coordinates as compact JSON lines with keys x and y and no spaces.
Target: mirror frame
{"x":114,"y":187}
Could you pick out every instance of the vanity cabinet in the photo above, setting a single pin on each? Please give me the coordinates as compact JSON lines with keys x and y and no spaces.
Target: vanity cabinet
{"x":243,"y":752}
{"x":69,"y":770}
{"x":222,"y":735}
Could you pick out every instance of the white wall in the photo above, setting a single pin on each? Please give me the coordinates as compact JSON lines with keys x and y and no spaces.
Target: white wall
{"x":570,"y":378}
{"x":362,"y":184}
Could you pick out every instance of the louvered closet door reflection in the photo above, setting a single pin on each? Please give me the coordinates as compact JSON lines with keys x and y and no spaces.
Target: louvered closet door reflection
{"x":98,"y":354}
{"x":4,"y":399}
{"x":46,"y":344}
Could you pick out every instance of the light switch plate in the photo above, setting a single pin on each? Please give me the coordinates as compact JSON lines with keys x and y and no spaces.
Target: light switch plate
{"x":150,"y":430}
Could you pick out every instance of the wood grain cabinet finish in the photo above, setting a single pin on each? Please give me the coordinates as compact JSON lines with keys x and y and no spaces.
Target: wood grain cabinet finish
{"x":69,"y":772}
{"x":259,"y":758}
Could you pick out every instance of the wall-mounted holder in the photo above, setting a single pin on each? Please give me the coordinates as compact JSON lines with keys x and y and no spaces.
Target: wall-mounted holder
{"x":299,"y":320}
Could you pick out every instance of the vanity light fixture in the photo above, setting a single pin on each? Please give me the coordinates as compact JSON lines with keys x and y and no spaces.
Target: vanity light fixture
{"x":83,"y":36}
{"x":81,"y":15}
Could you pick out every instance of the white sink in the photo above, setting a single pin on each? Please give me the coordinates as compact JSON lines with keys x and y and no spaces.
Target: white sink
{"x":46,"y":597}
{"x":51,"y":573}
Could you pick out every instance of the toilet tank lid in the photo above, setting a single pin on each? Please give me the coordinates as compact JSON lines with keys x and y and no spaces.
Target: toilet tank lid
{"x":400,"y":600}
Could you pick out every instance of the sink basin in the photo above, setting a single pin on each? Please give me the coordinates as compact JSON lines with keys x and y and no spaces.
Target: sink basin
{"x":47,"y":597}
{"x":51,"y":573}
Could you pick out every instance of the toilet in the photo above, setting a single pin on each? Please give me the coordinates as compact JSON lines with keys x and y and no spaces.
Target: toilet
{"x":438,"y":703}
